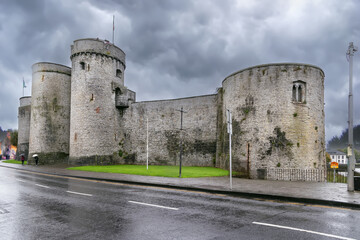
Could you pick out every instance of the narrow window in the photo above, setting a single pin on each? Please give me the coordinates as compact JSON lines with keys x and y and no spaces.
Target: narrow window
{"x":82,"y":65}
{"x":88,"y":67}
{"x":118,"y":73}
{"x":294,"y":93}
{"x":300,"y":94}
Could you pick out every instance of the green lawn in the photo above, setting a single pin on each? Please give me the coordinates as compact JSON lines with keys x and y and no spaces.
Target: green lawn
{"x":161,"y":171}
{"x":14,"y":161}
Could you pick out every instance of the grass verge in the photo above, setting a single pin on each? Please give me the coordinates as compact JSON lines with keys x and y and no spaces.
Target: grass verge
{"x":160,"y":171}
{"x":14,"y":161}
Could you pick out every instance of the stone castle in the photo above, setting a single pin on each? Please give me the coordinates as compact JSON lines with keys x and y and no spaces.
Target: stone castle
{"x":85,"y":115}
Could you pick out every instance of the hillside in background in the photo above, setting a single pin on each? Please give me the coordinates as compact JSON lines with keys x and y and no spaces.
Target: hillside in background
{"x":342,"y":142}
{"x":2,"y":134}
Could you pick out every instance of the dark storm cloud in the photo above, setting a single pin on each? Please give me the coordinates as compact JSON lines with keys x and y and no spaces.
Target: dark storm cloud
{"x":183,"y":48}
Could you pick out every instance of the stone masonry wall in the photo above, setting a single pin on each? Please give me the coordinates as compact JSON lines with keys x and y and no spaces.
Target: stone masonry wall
{"x":199,"y":134}
{"x":50,"y":113}
{"x":270,"y":128}
{"x":87,"y":116}
{"x":24,"y":126}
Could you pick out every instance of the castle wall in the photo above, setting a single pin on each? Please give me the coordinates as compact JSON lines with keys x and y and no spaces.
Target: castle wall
{"x":97,"y":75}
{"x":199,"y":134}
{"x":278,"y":118}
{"x":50,"y":112}
{"x":24,"y":115}
{"x":86,"y":112}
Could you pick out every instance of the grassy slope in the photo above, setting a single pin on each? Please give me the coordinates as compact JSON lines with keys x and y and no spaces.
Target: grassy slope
{"x":161,"y":171}
{"x":14,"y":161}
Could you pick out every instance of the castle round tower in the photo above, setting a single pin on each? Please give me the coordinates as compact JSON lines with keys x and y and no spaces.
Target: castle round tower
{"x":97,"y":76}
{"x":278,"y":119}
{"x":50,"y":112}
{"x":24,"y":125}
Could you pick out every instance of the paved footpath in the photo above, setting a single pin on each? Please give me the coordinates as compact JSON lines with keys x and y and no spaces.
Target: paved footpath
{"x":332,"y":194}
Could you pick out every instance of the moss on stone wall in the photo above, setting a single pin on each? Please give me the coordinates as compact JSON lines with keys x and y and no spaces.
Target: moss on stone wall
{"x":95,"y":160}
{"x":204,"y":147}
{"x":50,"y":158}
{"x":279,"y":142}
{"x":220,"y":129}
{"x":190,"y":146}
{"x":172,"y":143}
{"x":130,"y":158}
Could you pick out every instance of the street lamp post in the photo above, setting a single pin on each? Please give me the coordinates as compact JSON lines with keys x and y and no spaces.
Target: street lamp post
{"x":351,"y":163}
{"x":229,"y":130}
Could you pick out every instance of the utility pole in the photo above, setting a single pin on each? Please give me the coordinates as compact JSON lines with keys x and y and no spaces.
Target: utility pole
{"x":147,"y":143}
{"x":350,"y":152}
{"x":181,"y":144}
{"x":229,"y":130}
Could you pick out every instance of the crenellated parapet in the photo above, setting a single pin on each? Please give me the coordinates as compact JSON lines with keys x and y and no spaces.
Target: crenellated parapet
{"x":98,"y":47}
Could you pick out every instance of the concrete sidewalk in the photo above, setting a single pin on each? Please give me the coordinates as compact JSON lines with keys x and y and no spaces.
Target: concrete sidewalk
{"x":331,"y":194}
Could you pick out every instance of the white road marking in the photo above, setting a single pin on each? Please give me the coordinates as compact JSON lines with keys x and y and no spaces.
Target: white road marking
{"x":78,"y":193}
{"x":303,"y":230}
{"x":153,"y":205}
{"x":42,"y":186}
{"x":20,"y":180}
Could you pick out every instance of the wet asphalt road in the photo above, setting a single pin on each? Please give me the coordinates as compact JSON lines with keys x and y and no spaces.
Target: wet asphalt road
{"x":38,"y":206}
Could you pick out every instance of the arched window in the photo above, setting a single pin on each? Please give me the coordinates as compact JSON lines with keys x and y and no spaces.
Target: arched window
{"x":299,"y":92}
{"x":82,"y":65}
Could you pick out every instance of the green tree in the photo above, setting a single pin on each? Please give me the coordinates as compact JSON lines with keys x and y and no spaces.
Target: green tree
{"x":342,"y":141}
{"x":14,"y":138}
{"x":328,"y":158}
{"x":357,"y":153}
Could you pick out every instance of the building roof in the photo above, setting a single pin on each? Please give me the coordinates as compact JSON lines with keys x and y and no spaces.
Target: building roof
{"x":336,"y":153}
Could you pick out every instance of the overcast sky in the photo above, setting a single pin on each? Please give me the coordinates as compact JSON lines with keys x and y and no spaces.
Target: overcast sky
{"x":181,"y":48}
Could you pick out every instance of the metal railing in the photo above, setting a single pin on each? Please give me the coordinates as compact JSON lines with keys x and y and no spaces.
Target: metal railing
{"x":294,"y":174}
{"x":338,"y":177}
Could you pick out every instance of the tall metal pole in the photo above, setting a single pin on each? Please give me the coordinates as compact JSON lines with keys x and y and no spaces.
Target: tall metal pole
{"x":229,"y":128}
{"x":181,"y":124}
{"x":147,"y":143}
{"x":181,"y":144}
{"x":351,"y":162}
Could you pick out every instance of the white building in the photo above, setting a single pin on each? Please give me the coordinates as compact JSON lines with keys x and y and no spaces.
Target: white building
{"x":338,"y":157}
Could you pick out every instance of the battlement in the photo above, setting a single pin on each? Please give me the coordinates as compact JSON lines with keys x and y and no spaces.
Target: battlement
{"x":97,"y":46}
{"x":51,"y":67}
{"x":284,"y":67}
